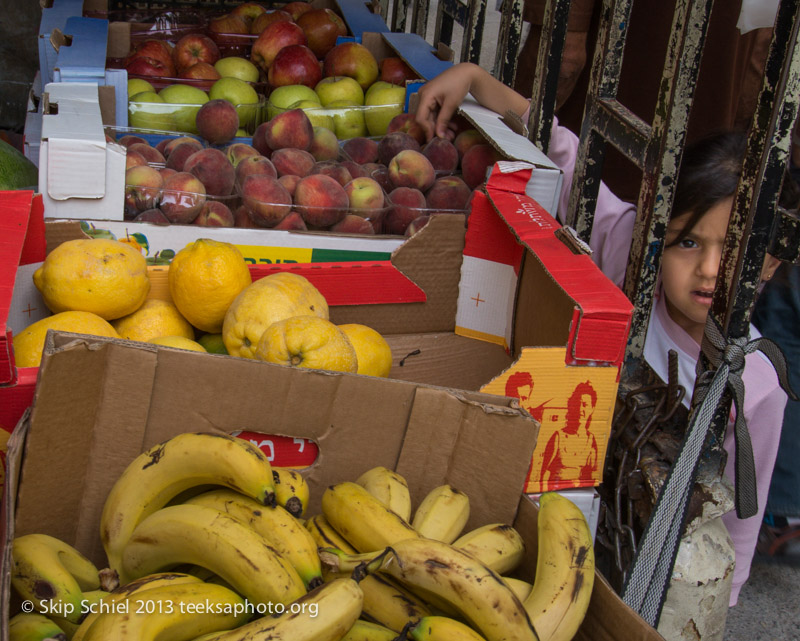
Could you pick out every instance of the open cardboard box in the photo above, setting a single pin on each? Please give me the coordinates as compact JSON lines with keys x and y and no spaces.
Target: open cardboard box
{"x":100,"y":403}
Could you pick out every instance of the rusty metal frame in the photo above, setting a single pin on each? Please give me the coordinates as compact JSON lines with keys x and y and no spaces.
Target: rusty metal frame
{"x":509,"y":40}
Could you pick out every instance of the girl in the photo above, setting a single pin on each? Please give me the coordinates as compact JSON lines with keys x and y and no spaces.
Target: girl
{"x":693,"y":248}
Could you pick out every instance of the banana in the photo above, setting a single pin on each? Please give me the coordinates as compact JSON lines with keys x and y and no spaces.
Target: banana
{"x":291,"y":490}
{"x":32,"y":626}
{"x":389,"y":604}
{"x":368,"y":631}
{"x":204,"y":536}
{"x":442,"y":514}
{"x":122,"y":593}
{"x":52,"y":574}
{"x":165,"y":470}
{"x":564,"y":579}
{"x":90,"y":602}
{"x":519,"y":587}
{"x":436,"y":569}
{"x":324,"y":614}
{"x":175,"y":612}
{"x":389,"y":488}
{"x":496,"y":545}
{"x":325,"y":536}
{"x":342,"y":562}
{"x":282,"y":530}
{"x":438,"y":628}
{"x":362,"y":519}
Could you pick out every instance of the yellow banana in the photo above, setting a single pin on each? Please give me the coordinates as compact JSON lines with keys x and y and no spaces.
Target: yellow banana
{"x":342,"y":562}
{"x":122,"y":593}
{"x":362,"y":519}
{"x":204,"y":536}
{"x":283,"y":531}
{"x":564,"y":569}
{"x":52,"y":574}
{"x":368,"y":631}
{"x":438,"y":628}
{"x":174,"y":466}
{"x":324,"y":614}
{"x":442,"y":514}
{"x":390,"y":604}
{"x":389,"y":488}
{"x":175,"y":612}
{"x":519,"y":587}
{"x":32,"y":626}
{"x":436,"y":569}
{"x":325,"y":536}
{"x":496,"y":545}
{"x":291,"y":490}
{"x":89,"y":603}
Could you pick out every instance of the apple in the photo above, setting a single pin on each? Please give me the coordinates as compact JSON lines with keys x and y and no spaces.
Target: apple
{"x":190,"y":100}
{"x":193,"y":48}
{"x":333,"y":88}
{"x":215,"y":214}
{"x":182,"y":198}
{"x":297,"y":8}
{"x":264,"y":20}
{"x":348,"y":119}
{"x":249,"y":11}
{"x":228,"y":23}
{"x":241,"y":95}
{"x":322,"y":27}
{"x":200,"y":71}
{"x":274,"y":38}
{"x":317,"y":114}
{"x":138,"y":85}
{"x":321,"y":200}
{"x":351,"y":59}
{"x":237,"y":67}
{"x":385,"y":101}
{"x":217,"y":121}
{"x":284,"y":97}
{"x":394,"y":70}
{"x":153,"y":49}
{"x":144,"y":66}
{"x":148,"y":110}
{"x":294,"y":65}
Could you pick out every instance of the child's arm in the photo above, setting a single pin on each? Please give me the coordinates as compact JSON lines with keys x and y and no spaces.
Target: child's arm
{"x":440,"y":97}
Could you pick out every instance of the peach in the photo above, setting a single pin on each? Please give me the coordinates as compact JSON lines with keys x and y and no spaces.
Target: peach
{"x":238,"y":151}
{"x":241,"y":218}
{"x":254,"y":165}
{"x":353,"y":224}
{"x":129,"y":139}
{"x":154,"y":216}
{"x":324,"y":144}
{"x":466,"y":139}
{"x":354,"y":168}
{"x":166,"y":172}
{"x":169,"y":144}
{"x":448,"y":192}
{"x":381,"y":174}
{"x":162,"y":145}
{"x":476,"y":161}
{"x":289,"y":129}
{"x":406,"y":123}
{"x":143,"y":185}
{"x":393,"y":143}
{"x":260,"y":140}
{"x":215,"y":214}
{"x":217,"y":121}
{"x":442,"y":153}
{"x":406,"y":204}
{"x":150,"y":153}
{"x":415,"y":225}
{"x":293,"y":161}
{"x":134,"y":159}
{"x":213,"y":169}
{"x":365,"y":195}
{"x":182,"y":198}
{"x":321,"y":200}
{"x":293,"y":221}
{"x":361,"y":149}
{"x":335,"y":170}
{"x":180,"y":153}
{"x":290,"y":182}
{"x":267,"y":201}
{"x":411,"y":168}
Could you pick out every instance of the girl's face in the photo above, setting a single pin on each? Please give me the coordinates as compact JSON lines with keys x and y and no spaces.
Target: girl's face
{"x":689,"y":269}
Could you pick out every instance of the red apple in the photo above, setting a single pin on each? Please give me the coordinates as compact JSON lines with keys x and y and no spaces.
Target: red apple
{"x":295,"y":65}
{"x":395,"y":71}
{"x":322,"y":27}
{"x":352,"y":59}
{"x":156,"y":50}
{"x":144,"y":66}
{"x":297,"y":8}
{"x":193,"y":48}
{"x":274,"y":38}
{"x":228,"y":23}
{"x":200,"y":71}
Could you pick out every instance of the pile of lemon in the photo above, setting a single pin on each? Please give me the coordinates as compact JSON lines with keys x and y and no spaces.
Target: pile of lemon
{"x":100,"y":287}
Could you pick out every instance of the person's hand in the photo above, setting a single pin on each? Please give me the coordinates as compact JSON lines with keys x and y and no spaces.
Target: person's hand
{"x":439,"y":99}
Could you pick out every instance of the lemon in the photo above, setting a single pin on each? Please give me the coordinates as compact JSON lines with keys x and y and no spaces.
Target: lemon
{"x":98,"y":275}
{"x":204,"y":279}
{"x":28,"y":344}
{"x":154,"y":318}
{"x":181,"y":342}
{"x":307,"y":341}
{"x":213,"y":343}
{"x":373,"y":352}
{"x":264,"y":302}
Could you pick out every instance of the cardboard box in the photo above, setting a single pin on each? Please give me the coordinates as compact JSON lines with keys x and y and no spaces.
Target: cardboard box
{"x":99,"y":404}
{"x":54,"y":17}
{"x":360,"y":18}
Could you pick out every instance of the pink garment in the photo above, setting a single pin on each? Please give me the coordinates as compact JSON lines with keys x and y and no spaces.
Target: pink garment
{"x":764,"y":399}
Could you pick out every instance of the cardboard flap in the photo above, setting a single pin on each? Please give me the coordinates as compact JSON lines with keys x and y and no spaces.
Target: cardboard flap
{"x":360,"y":18}
{"x":83,"y":57}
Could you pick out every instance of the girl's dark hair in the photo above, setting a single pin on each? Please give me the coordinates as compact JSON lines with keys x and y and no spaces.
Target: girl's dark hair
{"x":709,"y":172}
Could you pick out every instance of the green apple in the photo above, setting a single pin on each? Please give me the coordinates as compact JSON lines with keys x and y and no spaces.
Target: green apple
{"x":190,"y":100}
{"x":334,"y":88}
{"x":317,"y":114}
{"x":348,"y":119}
{"x":378,"y":116}
{"x":138,"y":85}
{"x":282,"y":97}
{"x":237,"y":67}
{"x":242,"y":95}
{"x":146,"y":110}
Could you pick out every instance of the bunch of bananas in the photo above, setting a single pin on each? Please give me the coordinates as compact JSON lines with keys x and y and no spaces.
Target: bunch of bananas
{"x":237,"y":562}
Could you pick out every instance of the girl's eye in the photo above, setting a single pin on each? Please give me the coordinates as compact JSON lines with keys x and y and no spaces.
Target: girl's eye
{"x":688,"y":243}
